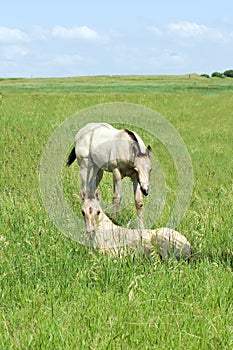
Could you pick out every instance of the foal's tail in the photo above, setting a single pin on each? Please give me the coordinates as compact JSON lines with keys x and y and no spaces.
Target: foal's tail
{"x":71,"y":157}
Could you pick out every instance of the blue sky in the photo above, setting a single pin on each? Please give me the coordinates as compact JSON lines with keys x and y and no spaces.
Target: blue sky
{"x":73,"y":38}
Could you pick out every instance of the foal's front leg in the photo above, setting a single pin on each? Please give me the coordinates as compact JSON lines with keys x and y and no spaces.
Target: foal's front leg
{"x":116,"y":174}
{"x":138,"y":198}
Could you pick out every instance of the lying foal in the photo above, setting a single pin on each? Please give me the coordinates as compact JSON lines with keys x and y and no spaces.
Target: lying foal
{"x":107,"y":236}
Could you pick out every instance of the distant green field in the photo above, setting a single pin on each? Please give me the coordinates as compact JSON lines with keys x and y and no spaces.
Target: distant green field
{"x":122,"y":84}
{"x":58,"y":294}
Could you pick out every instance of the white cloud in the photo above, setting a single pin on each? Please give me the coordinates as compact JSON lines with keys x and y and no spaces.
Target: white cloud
{"x":40,"y":33}
{"x":187,"y":29}
{"x":13,"y":52}
{"x":10,"y":35}
{"x":82,"y":32}
{"x":194,"y":30}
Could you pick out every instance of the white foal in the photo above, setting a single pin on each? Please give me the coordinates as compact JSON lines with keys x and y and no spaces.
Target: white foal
{"x":107,"y":236}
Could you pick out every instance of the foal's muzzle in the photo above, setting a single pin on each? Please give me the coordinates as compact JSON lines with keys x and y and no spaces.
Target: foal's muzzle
{"x":145,"y":190}
{"x":91,"y":234}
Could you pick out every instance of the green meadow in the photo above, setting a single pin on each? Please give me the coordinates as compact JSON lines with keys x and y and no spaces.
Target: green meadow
{"x":58,"y":294}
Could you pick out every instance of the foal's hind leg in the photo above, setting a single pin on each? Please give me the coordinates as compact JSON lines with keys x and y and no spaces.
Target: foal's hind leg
{"x":85,"y":169}
{"x":116,"y":189}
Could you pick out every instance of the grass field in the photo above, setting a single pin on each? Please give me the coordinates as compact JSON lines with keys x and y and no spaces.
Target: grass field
{"x":58,"y":294}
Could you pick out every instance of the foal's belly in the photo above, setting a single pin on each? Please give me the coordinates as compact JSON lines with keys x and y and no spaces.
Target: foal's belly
{"x":125,"y":168}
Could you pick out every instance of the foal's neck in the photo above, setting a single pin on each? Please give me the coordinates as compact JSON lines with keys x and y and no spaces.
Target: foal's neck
{"x":105,"y":222}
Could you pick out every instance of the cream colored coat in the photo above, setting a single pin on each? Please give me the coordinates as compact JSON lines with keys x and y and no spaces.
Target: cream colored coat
{"x":107,"y":236}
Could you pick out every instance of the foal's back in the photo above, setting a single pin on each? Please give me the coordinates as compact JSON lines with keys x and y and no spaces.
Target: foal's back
{"x":91,"y":136}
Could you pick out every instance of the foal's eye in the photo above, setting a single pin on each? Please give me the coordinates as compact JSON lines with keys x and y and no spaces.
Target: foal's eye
{"x":98,"y":212}
{"x":83,"y":213}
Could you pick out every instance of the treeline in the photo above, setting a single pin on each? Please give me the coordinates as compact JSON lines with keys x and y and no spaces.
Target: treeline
{"x":227,"y":73}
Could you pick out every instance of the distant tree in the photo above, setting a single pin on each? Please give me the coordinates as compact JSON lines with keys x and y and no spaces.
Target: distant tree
{"x":229,"y":73}
{"x":217,"y":75}
{"x":205,"y":75}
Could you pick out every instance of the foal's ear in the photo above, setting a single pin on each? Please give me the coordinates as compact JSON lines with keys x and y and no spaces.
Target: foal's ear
{"x":97,"y":194}
{"x":149,"y":151}
{"x":134,"y":149}
{"x":83,"y":194}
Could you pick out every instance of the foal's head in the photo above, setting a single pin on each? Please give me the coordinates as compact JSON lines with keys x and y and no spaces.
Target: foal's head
{"x":91,"y":211}
{"x":143,"y":168}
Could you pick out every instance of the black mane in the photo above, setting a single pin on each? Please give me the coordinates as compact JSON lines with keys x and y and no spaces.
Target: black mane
{"x":132,"y":135}
{"x":134,"y":138}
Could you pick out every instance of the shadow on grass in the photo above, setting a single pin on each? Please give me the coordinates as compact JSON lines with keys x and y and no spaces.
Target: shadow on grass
{"x":218,"y":258}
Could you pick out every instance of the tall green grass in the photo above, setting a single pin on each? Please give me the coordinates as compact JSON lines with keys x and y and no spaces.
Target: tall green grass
{"x":57,"y":294}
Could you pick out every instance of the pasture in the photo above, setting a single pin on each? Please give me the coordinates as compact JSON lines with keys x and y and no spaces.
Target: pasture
{"x":58,"y":294}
